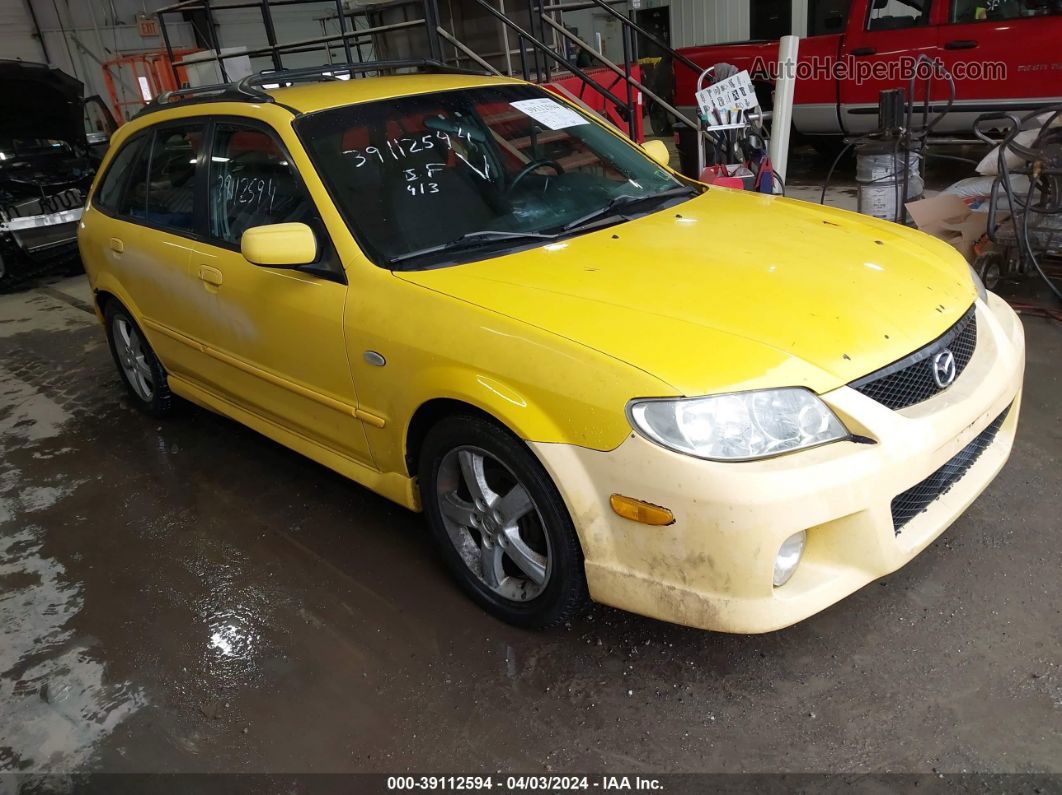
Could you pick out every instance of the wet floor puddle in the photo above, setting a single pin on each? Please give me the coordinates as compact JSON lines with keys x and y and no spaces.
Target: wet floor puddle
{"x":56,"y":698}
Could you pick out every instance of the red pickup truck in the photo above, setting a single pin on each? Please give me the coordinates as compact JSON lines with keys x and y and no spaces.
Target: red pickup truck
{"x":1005,"y":55}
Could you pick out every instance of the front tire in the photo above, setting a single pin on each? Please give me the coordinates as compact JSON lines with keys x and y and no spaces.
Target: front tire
{"x":137,"y":364}
{"x":500,"y":523}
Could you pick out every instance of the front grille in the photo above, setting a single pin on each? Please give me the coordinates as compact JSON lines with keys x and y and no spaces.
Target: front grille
{"x":909,"y":504}
{"x":910,"y":380}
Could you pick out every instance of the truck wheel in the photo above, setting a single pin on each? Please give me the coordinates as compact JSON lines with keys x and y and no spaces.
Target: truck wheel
{"x":500,"y":523}
{"x":660,"y":120}
{"x":827,"y":146}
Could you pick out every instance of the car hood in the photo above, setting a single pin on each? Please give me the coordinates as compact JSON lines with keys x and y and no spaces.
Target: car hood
{"x":731,"y":290}
{"x":37,"y":101}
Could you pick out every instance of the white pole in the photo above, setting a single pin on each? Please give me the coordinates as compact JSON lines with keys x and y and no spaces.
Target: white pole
{"x":782,"y":112}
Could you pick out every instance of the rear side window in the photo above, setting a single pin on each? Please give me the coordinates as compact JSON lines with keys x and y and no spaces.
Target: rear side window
{"x":165,"y":194}
{"x":983,"y":10}
{"x":109,"y":194}
{"x":898,"y":14}
{"x":251,"y":184}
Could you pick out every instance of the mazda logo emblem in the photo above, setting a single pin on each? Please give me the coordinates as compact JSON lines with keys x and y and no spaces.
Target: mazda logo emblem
{"x":944,"y":368}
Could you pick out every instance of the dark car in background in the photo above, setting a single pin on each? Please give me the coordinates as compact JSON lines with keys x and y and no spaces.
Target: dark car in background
{"x":51,"y":142}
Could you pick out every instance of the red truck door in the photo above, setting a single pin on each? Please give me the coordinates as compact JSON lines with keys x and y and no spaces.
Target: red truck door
{"x":881,"y":33}
{"x":1005,"y":55}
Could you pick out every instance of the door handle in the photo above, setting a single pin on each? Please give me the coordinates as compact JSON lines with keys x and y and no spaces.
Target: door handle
{"x":864,"y":51}
{"x":117,"y":245}
{"x":210,"y":275}
{"x":960,"y":44}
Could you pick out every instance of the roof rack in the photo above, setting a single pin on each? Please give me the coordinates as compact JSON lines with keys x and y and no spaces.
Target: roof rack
{"x":250,"y":88}
{"x":329,"y":71}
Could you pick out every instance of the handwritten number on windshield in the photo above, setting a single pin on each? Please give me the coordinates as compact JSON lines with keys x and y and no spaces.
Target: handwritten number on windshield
{"x":399,"y":148}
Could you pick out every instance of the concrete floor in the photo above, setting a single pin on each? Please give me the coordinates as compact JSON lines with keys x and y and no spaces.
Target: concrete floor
{"x":189,"y":596}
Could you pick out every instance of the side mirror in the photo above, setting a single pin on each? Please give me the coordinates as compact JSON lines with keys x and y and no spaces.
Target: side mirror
{"x":279,"y":245}
{"x":657,"y":150}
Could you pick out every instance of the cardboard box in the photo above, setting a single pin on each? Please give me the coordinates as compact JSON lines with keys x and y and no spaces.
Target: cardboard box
{"x":948,"y":218}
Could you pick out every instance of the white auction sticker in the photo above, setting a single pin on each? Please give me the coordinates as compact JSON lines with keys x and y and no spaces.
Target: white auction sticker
{"x":550,"y":113}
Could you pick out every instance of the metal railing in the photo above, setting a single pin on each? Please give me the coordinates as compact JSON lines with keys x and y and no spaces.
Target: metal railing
{"x":539,"y":60}
{"x":276,"y":50}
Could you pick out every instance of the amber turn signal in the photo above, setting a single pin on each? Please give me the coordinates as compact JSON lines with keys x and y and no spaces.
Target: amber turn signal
{"x":640,"y":511}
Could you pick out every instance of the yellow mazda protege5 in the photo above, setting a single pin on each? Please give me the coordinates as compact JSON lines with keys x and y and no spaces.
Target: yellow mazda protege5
{"x":598,"y":379}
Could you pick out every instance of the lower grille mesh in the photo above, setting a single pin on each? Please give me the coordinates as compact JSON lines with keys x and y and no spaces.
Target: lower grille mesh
{"x":909,"y":504}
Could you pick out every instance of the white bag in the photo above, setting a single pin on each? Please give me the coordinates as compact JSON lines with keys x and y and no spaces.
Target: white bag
{"x":989,"y":165}
{"x":976,"y":191}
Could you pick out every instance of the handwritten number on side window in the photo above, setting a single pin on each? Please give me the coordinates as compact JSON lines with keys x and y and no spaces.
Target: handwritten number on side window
{"x":247,"y":192}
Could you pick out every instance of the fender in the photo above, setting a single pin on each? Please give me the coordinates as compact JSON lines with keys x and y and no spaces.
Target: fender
{"x":542,"y":386}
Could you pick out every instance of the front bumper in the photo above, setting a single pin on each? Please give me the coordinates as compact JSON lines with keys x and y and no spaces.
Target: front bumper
{"x":37,"y":233}
{"x":712,"y":568}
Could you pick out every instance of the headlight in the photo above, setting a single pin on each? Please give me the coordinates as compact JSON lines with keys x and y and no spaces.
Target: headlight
{"x":982,"y":293}
{"x":738,"y":426}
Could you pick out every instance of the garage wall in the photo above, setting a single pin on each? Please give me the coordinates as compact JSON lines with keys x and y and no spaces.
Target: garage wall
{"x":693,"y":22}
{"x":590,"y":22}
{"x":16,"y":33}
{"x":708,"y":21}
{"x":79,"y":34}
{"x":244,"y":28}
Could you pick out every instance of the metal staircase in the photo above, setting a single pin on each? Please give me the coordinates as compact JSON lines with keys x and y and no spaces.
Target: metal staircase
{"x":410,"y":30}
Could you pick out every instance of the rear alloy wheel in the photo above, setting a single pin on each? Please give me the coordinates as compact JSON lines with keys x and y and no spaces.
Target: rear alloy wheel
{"x":140,"y":369}
{"x":500,"y":523}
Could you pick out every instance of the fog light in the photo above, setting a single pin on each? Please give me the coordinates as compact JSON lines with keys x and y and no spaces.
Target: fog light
{"x":788,"y":557}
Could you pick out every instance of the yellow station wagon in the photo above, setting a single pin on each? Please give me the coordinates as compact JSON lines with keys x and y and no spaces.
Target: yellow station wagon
{"x":598,"y":379}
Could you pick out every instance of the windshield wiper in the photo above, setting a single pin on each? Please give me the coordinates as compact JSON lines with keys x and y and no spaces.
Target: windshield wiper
{"x":483,"y":236}
{"x":623,"y":202}
{"x":471,"y":240}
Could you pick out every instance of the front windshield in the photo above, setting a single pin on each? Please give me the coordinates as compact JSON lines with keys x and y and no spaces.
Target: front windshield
{"x":421,"y":172}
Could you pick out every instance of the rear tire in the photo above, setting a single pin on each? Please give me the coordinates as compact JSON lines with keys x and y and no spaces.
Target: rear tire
{"x":500,"y":524}
{"x":139,"y":368}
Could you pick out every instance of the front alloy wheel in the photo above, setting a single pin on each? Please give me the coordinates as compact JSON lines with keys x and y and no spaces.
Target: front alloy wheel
{"x":493,"y":523}
{"x":500,"y":523}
